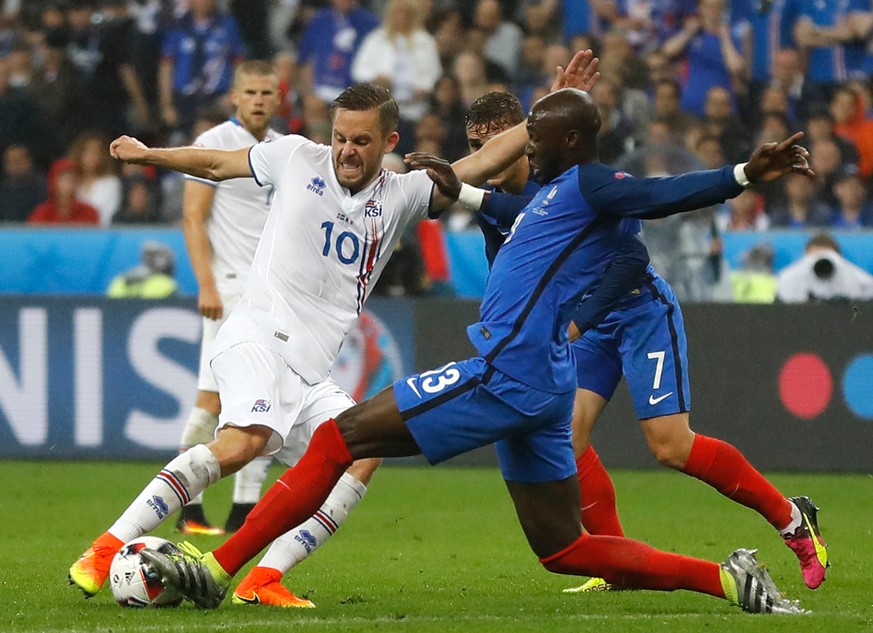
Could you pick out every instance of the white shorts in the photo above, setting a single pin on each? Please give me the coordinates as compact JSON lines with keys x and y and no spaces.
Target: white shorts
{"x":205,"y":379}
{"x":258,"y":388}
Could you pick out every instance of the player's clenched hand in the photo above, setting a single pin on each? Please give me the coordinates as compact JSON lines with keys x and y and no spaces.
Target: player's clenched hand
{"x":772,"y":161}
{"x":580,"y":73}
{"x":128,"y":149}
{"x":439,"y":170}
{"x":209,"y":302}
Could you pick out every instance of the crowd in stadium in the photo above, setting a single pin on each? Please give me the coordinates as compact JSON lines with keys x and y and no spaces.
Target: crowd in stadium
{"x":684,"y":85}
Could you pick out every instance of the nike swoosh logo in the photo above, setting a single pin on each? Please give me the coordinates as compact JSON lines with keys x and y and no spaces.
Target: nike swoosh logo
{"x":253,"y":600}
{"x":653,"y":400}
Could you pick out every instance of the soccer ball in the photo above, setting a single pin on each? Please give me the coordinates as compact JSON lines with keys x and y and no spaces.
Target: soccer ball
{"x":133,"y":585}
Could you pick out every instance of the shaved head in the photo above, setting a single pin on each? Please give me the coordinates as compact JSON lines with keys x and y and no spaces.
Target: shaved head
{"x":563,"y":129}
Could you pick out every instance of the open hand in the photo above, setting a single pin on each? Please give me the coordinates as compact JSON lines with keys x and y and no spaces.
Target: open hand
{"x":580,"y":73}
{"x":772,"y":161}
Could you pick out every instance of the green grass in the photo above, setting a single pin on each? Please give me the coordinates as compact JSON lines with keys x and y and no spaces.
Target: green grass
{"x":434,"y":550}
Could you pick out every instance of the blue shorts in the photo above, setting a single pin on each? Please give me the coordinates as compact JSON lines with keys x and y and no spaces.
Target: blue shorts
{"x":646,"y":342}
{"x":468,"y":404}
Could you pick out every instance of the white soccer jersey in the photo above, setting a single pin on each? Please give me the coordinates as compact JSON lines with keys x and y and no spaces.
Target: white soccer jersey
{"x":239,"y":210}
{"x":321,"y":251}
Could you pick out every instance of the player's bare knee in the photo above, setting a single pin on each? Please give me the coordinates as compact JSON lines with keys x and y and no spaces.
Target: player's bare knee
{"x":668,"y":454}
{"x":235,"y":447}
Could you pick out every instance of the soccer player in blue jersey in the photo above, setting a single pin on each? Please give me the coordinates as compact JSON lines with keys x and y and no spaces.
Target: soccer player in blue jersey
{"x":643,"y":338}
{"x":519,"y":391}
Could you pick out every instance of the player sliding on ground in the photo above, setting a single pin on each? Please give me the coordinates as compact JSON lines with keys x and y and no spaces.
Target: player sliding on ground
{"x":335,"y":218}
{"x":519,"y":392}
{"x":643,"y":339}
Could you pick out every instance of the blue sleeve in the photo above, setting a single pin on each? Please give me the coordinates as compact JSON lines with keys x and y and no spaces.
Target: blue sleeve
{"x":618,"y":193}
{"x":626,"y":271}
{"x":503,"y":208}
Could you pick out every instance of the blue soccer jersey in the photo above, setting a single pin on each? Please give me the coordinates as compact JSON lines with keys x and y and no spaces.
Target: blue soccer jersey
{"x":519,"y":391}
{"x":558,"y":250}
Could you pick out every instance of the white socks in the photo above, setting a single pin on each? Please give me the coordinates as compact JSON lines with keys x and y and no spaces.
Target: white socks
{"x":181,"y":480}
{"x":199,"y":428}
{"x":249,"y":480}
{"x":298,"y":543}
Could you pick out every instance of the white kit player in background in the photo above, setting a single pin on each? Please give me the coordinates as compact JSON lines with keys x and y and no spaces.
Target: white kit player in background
{"x":334,"y":221}
{"x":222,"y":225}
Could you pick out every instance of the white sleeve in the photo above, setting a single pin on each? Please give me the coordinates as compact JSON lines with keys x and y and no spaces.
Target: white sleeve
{"x":417,"y":187}
{"x":268,"y":158}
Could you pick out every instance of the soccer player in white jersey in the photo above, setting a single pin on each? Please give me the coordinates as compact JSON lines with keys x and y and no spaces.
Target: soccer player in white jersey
{"x":222,"y":225}
{"x":335,"y":218}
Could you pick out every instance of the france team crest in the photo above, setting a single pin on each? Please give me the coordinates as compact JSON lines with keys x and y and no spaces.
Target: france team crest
{"x":261,"y":406}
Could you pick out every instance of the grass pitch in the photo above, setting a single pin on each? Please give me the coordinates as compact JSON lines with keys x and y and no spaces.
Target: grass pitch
{"x":434,"y":550}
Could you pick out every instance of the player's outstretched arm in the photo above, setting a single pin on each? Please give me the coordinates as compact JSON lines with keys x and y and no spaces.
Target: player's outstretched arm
{"x":213,"y":164}
{"x":507,"y":147}
{"x":772,"y":161}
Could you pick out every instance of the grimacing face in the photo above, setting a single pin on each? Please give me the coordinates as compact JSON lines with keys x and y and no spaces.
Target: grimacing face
{"x":358,"y":145}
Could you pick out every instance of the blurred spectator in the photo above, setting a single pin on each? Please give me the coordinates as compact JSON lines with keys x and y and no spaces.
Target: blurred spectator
{"x":852,"y":123}
{"x":197,"y":61}
{"x":152,"y":279}
{"x":827,"y":33}
{"x":746,"y":213}
{"x":99,"y":184}
{"x":712,"y":53}
{"x":822,"y":274}
{"x":101,"y":48}
{"x":22,"y":186}
{"x":430,"y":128}
{"x":710,"y":152}
{"x":140,"y":205}
{"x":770,"y":33}
{"x":755,"y":281}
{"x":801,"y":208}
{"x":530,"y":69}
{"x":447,"y":105}
{"x":62,"y":207}
{"x":667,"y":107}
{"x":290,"y":112}
{"x":820,"y":127}
{"x":503,"y":38}
{"x":22,"y":122}
{"x":617,"y":53}
{"x":774,"y":101}
{"x":616,"y":136}
{"x":659,"y":67}
{"x":329,"y":45}
{"x":853,"y":209}
{"x":787,"y":74}
{"x":402,"y":56}
{"x":448,"y":29}
{"x":20,"y":60}
{"x":469,"y":68}
{"x":721,"y":122}
{"x":54,"y":87}
{"x":826,"y":161}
